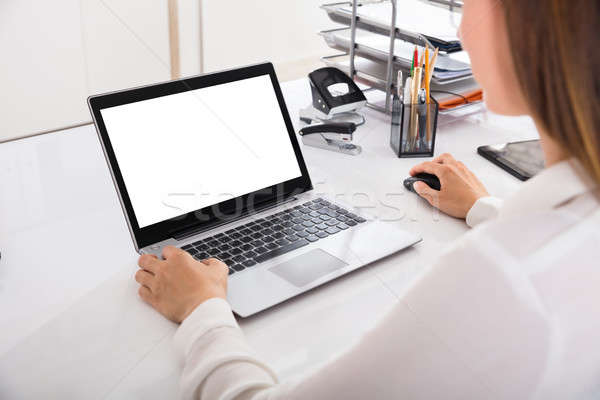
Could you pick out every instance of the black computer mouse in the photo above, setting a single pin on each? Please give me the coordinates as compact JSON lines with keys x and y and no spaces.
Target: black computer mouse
{"x":431,"y":180}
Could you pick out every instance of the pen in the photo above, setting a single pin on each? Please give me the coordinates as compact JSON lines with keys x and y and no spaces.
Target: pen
{"x":416,"y":58}
{"x":423,"y":116}
{"x":416,"y":87}
{"x":400,"y":87}
{"x":407,"y":90}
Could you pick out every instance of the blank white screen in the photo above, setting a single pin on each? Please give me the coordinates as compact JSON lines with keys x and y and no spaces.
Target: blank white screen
{"x":182,"y":152}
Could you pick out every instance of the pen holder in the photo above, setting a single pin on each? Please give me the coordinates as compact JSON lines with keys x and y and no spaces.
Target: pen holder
{"x":413,"y":128}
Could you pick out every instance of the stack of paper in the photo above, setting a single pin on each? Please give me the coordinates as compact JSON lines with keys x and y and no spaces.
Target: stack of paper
{"x":449,"y":67}
{"x":437,"y":23}
{"x":448,"y":95}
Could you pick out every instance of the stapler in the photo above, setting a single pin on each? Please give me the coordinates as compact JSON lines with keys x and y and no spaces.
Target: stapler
{"x":335,"y":98}
{"x":331,"y":136}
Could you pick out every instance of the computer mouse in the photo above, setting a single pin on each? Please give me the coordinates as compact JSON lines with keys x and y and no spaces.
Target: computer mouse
{"x":431,"y":180}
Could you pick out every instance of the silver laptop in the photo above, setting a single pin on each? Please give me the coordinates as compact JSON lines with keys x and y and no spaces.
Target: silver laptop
{"x":211,"y":164}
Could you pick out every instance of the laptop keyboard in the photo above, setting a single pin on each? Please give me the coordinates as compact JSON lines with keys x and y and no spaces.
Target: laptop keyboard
{"x":265,"y":238}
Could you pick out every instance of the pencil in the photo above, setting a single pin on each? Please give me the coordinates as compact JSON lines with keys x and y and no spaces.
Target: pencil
{"x":412,"y":65}
{"x":432,"y":63}
{"x":430,"y":70}
{"x":415,"y":101}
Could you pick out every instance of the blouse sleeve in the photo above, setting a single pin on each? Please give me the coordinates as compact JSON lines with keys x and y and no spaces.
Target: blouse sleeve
{"x":469,"y":329}
{"x":483,"y":210}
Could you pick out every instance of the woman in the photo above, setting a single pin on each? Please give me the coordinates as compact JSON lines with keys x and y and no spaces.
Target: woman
{"x":511,"y":310}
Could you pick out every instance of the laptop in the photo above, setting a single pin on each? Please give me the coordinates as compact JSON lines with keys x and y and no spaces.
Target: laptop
{"x":211,"y":164}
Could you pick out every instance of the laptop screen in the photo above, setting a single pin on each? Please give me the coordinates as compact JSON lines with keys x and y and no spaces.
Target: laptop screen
{"x":182,"y":152}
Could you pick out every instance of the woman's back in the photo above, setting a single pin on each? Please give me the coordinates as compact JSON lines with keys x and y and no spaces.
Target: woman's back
{"x":508,"y":312}
{"x":511,"y":310}
{"x":545,"y":244}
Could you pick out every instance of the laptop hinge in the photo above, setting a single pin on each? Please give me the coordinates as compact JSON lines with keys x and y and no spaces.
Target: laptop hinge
{"x":186,"y":233}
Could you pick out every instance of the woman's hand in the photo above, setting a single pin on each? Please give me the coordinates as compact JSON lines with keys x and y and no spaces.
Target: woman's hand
{"x":460,"y":188}
{"x":176,"y":285}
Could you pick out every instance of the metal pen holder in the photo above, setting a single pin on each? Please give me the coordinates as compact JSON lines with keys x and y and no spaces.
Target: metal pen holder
{"x":413,"y":128}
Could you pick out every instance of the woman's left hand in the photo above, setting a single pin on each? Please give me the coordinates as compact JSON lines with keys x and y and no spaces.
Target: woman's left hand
{"x":176,"y":285}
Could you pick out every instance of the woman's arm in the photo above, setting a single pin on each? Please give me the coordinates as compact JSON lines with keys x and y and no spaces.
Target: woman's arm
{"x":218,"y":363}
{"x":460,"y":332}
{"x":462,"y":194}
{"x":484,"y":209}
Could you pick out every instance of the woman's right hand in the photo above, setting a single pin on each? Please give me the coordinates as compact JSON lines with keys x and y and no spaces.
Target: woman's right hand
{"x":460,"y":188}
{"x":176,"y":285}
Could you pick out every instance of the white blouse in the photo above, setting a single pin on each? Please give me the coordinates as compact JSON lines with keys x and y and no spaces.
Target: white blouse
{"x":511,"y":311}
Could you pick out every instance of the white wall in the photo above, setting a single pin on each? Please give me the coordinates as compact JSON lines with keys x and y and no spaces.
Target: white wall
{"x":126,"y":43}
{"x":42,"y":73}
{"x":241,"y":32}
{"x":56,"y":53}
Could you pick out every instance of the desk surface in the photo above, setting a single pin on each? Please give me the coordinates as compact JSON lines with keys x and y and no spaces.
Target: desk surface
{"x":71,"y":324}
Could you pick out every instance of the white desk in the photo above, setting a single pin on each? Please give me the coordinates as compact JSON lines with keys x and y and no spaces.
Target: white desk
{"x":71,"y":324}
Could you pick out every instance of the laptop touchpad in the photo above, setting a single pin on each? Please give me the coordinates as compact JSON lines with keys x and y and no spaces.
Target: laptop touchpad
{"x":304,"y":269}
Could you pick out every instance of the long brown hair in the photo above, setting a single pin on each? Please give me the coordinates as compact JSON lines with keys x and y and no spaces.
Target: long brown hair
{"x":555,"y":47}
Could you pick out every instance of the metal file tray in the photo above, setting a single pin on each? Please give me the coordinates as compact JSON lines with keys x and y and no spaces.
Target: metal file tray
{"x":338,"y":13}
{"x":342,"y":62}
{"x":339,"y":39}
{"x":388,"y":18}
{"x":448,"y":4}
{"x":372,"y":74}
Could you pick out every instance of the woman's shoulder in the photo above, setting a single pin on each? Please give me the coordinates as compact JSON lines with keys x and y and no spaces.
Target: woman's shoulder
{"x":551,"y":231}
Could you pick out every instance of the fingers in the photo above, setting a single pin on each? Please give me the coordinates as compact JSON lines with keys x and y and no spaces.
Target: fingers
{"x":431,"y":195}
{"x":445,"y":158}
{"x":172,"y":251}
{"x":216,"y":263}
{"x":146,"y":295}
{"x":428,"y":167}
{"x":144,"y":278}
{"x":425,"y":191}
{"x":149,"y":262}
{"x":211,"y":261}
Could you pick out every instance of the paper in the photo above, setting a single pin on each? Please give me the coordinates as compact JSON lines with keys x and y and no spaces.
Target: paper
{"x":414,"y":16}
{"x":447,"y":66}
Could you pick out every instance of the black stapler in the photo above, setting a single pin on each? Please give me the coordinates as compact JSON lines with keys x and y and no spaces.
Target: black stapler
{"x":335,"y":98}
{"x":334,"y":136}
